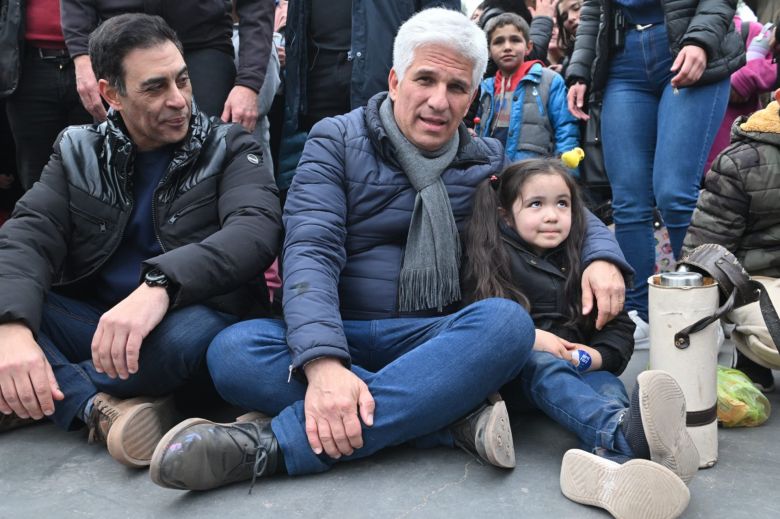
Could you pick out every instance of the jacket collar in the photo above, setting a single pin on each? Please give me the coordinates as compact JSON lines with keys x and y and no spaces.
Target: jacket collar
{"x":470,"y":150}
{"x":763,"y":126}
{"x":118,"y":137}
{"x":510,"y":236}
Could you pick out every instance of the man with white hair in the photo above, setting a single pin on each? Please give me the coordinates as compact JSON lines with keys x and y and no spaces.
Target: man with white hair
{"x":373,"y":351}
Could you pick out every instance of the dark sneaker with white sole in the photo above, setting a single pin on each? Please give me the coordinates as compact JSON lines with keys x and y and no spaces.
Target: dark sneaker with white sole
{"x":199,"y":454}
{"x":486,"y":433}
{"x":655,"y":424}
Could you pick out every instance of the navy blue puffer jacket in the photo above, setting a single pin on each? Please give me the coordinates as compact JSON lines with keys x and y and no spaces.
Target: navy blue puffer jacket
{"x":347,"y":217}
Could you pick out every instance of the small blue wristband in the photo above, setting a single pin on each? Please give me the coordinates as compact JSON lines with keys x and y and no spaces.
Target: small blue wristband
{"x":584,"y":360}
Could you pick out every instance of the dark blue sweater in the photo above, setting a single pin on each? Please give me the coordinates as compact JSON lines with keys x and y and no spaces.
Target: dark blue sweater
{"x":120,"y":275}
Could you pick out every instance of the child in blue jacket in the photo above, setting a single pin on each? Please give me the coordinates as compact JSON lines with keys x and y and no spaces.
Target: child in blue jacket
{"x":524,"y":105}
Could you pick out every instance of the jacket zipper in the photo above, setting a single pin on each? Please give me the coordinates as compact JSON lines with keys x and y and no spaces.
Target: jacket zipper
{"x":92,"y":219}
{"x":191,"y":208}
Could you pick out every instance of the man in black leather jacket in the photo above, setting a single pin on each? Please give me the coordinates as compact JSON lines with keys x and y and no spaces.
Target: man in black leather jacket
{"x":146,"y":236}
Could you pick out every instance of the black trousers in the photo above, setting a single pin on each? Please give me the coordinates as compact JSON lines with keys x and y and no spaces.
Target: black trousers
{"x":328,"y":86}
{"x":212,"y":75}
{"x":44,"y":104}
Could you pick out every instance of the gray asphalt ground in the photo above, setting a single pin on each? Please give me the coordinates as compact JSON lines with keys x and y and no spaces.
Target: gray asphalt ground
{"x":48,"y":473}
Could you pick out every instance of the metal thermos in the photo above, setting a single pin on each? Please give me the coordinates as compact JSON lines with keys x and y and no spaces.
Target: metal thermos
{"x":677,"y":300}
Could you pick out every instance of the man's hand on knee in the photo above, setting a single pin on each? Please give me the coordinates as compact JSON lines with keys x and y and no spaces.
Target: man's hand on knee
{"x":27,"y":384}
{"x":604,"y":281}
{"x":116,"y":344}
{"x":334,"y":398}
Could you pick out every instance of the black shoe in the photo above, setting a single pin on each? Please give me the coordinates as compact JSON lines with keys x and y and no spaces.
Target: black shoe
{"x":199,"y":455}
{"x":762,"y":377}
{"x":486,"y":433}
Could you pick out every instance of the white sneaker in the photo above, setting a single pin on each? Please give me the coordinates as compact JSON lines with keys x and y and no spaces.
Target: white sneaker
{"x":641,"y":333}
{"x":637,"y":489}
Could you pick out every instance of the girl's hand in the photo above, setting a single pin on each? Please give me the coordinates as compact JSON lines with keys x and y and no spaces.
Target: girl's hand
{"x":551,"y":343}
{"x":690,"y":62}
{"x":543,"y":8}
{"x":576,"y":100}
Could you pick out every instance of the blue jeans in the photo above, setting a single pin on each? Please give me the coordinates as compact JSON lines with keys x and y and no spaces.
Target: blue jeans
{"x":424,"y":374}
{"x":171,"y":355}
{"x":656,"y":142}
{"x":589,"y":404}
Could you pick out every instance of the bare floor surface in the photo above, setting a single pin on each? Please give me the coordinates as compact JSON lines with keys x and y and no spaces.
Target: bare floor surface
{"x":47,"y":473}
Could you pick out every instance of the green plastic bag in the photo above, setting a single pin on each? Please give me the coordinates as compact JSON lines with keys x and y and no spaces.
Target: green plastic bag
{"x":740,"y":403}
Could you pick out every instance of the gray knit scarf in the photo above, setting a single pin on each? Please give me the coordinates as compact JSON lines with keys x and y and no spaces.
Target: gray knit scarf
{"x":429,"y":274}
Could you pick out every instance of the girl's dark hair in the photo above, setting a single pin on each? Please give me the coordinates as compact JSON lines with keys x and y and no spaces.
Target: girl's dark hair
{"x":565,"y":40}
{"x":488,"y":268}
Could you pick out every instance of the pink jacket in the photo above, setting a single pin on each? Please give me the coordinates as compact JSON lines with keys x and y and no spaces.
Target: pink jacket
{"x":756,"y":77}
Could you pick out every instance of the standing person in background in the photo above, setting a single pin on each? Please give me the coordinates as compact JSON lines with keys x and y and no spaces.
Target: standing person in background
{"x":524,"y":105}
{"x":758,"y":76}
{"x":205,"y":30}
{"x":567,"y":20}
{"x":339,"y":53}
{"x":665,"y":87}
{"x":45,"y":99}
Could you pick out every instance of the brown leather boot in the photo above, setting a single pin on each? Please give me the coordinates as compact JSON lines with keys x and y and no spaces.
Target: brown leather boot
{"x":130,"y":428}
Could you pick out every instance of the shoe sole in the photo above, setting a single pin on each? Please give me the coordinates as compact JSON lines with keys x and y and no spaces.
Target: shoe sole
{"x":662,"y":407}
{"x":134,"y":436}
{"x":497,"y":439}
{"x":637,"y":489}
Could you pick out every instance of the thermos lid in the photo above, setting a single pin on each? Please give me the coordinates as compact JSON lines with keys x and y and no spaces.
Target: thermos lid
{"x":681,"y":279}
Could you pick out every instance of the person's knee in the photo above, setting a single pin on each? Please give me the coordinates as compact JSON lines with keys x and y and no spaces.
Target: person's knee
{"x":507,"y":325}
{"x":224,"y":355}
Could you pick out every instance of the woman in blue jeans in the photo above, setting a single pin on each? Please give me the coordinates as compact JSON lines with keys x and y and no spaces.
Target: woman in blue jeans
{"x":660,"y":69}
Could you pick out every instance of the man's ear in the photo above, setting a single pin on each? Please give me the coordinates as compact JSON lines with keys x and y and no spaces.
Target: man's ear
{"x":529,"y":47}
{"x":110,"y":94}
{"x":392,"y":85}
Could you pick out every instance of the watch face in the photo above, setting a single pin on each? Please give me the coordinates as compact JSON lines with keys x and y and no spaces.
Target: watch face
{"x":156,"y":278}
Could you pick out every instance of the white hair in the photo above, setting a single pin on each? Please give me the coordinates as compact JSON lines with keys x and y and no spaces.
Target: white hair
{"x":445,"y":27}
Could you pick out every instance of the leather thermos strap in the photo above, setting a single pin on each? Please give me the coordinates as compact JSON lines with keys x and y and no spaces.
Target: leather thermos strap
{"x":771,"y":319}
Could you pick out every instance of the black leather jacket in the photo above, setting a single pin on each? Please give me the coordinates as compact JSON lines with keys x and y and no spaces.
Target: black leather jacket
{"x":11,"y":41}
{"x":705,"y":23}
{"x":216,"y":215}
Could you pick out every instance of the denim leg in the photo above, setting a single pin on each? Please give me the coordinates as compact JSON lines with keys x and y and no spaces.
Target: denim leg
{"x":589,"y":405}
{"x":431,"y":372}
{"x":249,"y":364}
{"x":629,"y":150}
{"x":687,"y":124}
{"x":171,"y":355}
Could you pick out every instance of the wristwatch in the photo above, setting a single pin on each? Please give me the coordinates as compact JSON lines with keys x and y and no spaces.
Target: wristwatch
{"x":156,"y":278}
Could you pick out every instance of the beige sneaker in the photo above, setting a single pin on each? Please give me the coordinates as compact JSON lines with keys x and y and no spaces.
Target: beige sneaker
{"x":131,"y":428}
{"x":637,"y":489}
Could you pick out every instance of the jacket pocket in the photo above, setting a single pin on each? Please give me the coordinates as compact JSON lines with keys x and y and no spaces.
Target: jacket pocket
{"x":102,"y":225}
{"x":192,"y":207}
